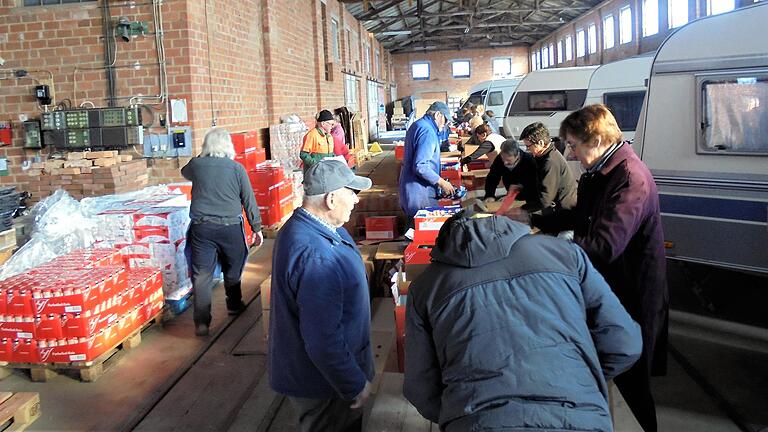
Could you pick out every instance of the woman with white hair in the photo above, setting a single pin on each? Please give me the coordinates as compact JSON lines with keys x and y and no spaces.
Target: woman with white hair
{"x":220,"y":192}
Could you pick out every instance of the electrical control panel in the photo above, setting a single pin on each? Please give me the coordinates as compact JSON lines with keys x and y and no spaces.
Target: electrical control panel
{"x":33,"y":137}
{"x":112,"y":117}
{"x":135,"y":135}
{"x":114,"y":137}
{"x":76,"y":119}
{"x":55,"y":138}
{"x":79,"y":139}
{"x":53,"y":120}
{"x":178,"y":142}
{"x":133,"y":116}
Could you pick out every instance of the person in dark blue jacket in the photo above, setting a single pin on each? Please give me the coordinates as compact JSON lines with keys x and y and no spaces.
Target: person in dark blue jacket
{"x":511,"y":331}
{"x":319,"y":332}
{"x":420,"y":182}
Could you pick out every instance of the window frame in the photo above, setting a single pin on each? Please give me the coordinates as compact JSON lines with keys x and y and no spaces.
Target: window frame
{"x":606,"y":33}
{"x":646,"y":31}
{"x":552,"y":92}
{"x":335,"y":43}
{"x":569,"y":47}
{"x":493,"y":94}
{"x":592,"y":38}
{"x":581,"y":43}
{"x":544,"y":56}
{"x":701,"y":120}
{"x":429,"y":70}
{"x":560,"y":45}
{"x":629,"y":32}
{"x":606,"y":96}
{"x":493,"y":65}
{"x":469,"y":68}
{"x":551,"y":54}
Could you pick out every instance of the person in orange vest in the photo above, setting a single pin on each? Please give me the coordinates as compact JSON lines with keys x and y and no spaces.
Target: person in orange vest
{"x":318,"y":142}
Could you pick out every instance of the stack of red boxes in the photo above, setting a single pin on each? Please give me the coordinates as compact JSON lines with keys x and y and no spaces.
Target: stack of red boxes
{"x":274,"y":192}
{"x":76,"y":307}
{"x":248,"y":152}
{"x":381,"y":227}
{"x":450,"y":169}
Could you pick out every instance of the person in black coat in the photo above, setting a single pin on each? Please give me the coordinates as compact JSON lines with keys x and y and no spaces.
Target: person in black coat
{"x":617,"y":222}
{"x":513,"y":167}
{"x":557,"y":187}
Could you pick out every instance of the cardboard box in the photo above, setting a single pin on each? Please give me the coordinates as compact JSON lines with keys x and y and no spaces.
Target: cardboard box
{"x":245,"y":141}
{"x":266,"y":175}
{"x":427,"y":223}
{"x":399,"y":152}
{"x":381,"y":227}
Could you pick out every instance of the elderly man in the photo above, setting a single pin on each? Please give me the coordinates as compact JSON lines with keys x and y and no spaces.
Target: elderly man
{"x":318,"y":142}
{"x":509,"y":331}
{"x":557,"y":187}
{"x":513,"y":167}
{"x":220,"y":192}
{"x":319,"y":333}
{"x":420,"y":182}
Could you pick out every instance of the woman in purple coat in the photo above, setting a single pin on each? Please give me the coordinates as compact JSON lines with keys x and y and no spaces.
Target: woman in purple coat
{"x":616,"y":221}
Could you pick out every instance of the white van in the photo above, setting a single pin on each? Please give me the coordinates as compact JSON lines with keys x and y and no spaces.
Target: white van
{"x":703,"y":132}
{"x":547,"y":96}
{"x":621,"y":86}
{"x":493,"y":94}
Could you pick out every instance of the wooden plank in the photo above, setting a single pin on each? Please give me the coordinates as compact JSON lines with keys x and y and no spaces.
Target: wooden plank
{"x":259,"y":410}
{"x":4,"y":396}
{"x":264,"y":290}
{"x":20,"y":410}
{"x":391,"y":250}
{"x":392,"y":412}
{"x":383,"y":314}
{"x":253,"y":343}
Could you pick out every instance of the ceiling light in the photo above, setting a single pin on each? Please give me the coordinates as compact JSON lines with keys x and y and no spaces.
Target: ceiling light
{"x":395,"y":32}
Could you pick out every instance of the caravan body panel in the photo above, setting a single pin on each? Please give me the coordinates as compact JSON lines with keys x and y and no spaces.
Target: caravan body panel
{"x":704,"y":135}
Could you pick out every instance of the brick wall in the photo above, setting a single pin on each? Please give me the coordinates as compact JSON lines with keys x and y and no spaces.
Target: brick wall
{"x":242,"y":63}
{"x":639,"y":43}
{"x":441,"y":79}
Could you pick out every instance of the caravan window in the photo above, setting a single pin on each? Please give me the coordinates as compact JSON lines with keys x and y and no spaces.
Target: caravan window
{"x":734,"y":114}
{"x":625,"y":107}
{"x":496,"y":98}
{"x":547,"y":101}
{"x":475,"y":98}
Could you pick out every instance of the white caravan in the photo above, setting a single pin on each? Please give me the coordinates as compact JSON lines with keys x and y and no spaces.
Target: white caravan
{"x":703,"y":132}
{"x":494,"y":95}
{"x":621,"y":86}
{"x":547,"y":96}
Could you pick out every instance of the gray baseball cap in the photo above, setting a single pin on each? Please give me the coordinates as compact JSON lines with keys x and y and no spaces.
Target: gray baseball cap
{"x":330,"y":175}
{"x":443,"y":108}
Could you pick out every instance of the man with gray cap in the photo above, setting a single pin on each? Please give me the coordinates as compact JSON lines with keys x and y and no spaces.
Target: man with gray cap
{"x":319,"y":331}
{"x":420,"y":182}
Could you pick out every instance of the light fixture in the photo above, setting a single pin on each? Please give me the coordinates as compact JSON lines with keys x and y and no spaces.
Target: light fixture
{"x":396,"y":32}
{"x":466,"y":30}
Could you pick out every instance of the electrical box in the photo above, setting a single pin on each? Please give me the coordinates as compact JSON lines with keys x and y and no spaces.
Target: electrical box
{"x":6,"y":134}
{"x":161,"y":146}
{"x":178,"y":138}
{"x":55,"y":138}
{"x":33,"y":138}
{"x":53,"y":120}
{"x":114,"y":137}
{"x":78,"y":139}
{"x":112,"y":117}
{"x":133,"y":116}
{"x":135,"y":135}
{"x":76,"y":119}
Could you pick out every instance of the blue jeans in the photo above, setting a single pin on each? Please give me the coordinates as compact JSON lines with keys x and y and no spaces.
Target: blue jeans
{"x":212,"y":243}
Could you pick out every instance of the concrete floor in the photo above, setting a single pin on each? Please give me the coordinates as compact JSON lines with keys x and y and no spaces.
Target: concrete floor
{"x":176,"y":381}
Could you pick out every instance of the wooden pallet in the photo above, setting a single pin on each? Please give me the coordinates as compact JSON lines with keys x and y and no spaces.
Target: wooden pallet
{"x":88,"y":371}
{"x":18,"y":410}
{"x":270,"y":232}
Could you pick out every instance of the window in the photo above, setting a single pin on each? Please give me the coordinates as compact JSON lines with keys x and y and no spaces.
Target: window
{"x":609,"y":37}
{"x":533,"y":62}
{"x":324,"y":25}
{"x":560,"y":51}
{"x":347,"y":47}
{"x":568,"y":48}
{"x":420,"y":71}
{"x":625,"y":25}
{"x":376,"y":63}
{"x":335,"y":40}
{"x":367,"y":51}
{"x":460,"y":68}
{"x":625,"y":107}
{"x":545,"y":57}
{"x":350,"y":92}
{"x":502,"y":66}
{"x":580,"y":43}
{"x":475,"y":98}
{"x":734,"y":114}
{"x":538,"y":60}
{"x":678,"y":13}
{"x":715,"y":7}
{"x":650,"y":17}
{"x":551,"y":54}
{"x":592,"y":34}
{"x":53,"y":2}
{"x":547,"y":101}
{"x":496,"y":98}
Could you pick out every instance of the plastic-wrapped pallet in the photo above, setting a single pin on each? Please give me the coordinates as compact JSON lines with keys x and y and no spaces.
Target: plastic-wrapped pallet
{"x":285,"y":142}
{"x":297,"y":178}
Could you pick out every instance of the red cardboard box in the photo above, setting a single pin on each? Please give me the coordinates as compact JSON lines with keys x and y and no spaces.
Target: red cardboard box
{"x":479,"y":164}
{"x":5,"y":350}
{"x":259,"y":156}
{"x":399,"y":152}
{"x":417,"y":254}
{"x":380,"y":227}
{"x":266,"y":175}
{"x":247,"y":160}
{"x":245,"y":141}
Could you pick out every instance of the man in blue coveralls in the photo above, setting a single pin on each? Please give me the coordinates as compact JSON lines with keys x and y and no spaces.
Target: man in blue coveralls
{"x":420,"y":182}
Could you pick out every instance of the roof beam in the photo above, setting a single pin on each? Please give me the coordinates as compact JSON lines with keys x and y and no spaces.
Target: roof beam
{"x":480,"y":12}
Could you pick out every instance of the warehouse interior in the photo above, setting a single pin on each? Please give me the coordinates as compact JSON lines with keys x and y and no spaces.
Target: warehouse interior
{"x":102,"y":102}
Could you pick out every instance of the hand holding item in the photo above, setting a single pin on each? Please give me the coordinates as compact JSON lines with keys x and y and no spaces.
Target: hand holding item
{"x":362,"y":397}
{"x":257,"y":238}
{"x":446,"y":187}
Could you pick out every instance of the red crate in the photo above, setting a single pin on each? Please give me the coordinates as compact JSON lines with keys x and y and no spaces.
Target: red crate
{"x":245,"y":141}
{"x":266,"y":176}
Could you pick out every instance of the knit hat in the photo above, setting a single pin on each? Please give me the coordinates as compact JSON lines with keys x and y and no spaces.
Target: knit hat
{"x":324,"y":115}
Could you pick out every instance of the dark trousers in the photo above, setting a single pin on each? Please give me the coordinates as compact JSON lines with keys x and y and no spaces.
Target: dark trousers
{"x":211,"y":243}
{"x":327,"y":415}
{"x":635,"y":387}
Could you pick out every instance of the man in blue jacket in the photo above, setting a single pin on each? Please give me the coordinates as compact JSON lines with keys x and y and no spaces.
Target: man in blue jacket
{"x":319,"y":332}
{"x":511,"y":331}
{"x":420,"y":182}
